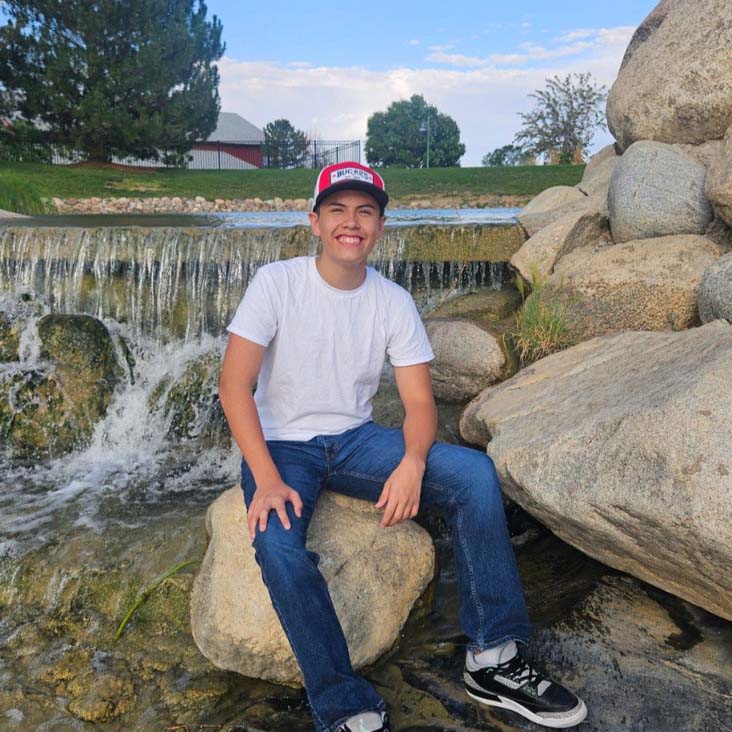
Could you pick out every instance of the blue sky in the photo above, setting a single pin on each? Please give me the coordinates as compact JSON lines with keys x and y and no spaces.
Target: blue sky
{"x":327,"y":66}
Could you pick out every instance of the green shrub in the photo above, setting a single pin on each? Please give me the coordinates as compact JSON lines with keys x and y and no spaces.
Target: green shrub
{"x":541,"y":327}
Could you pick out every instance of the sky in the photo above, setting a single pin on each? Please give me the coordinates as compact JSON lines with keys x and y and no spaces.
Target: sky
{"x":328,"y":66}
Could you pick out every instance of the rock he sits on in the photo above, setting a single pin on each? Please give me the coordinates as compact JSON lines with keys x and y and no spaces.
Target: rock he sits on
{"x":374,"y":578}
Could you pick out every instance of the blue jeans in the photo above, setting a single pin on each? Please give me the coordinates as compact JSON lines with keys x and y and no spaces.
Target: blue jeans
{"x":357,"y":463}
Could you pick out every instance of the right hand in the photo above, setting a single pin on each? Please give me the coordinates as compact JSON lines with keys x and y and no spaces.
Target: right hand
{"x":272,"y":497}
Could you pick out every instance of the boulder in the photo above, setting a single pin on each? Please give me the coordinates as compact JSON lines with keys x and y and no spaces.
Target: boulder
{"x":607,"y":152}
{"x":718,"y":185}
{"x":596,"y":180}
{"x":551,"y":198}
{"x":675,"y":82}
{"x":620,"y":445}
{"x":47,"y":409}
{"x":9,"y":341}
{"x":538,"y":254}
{"x":715,"y":291}
{"x":656,"y":190}
{"x":534,"y":222}
{"x":374,"y":576}
{"x":720,"y":233}
{"x":651,"y":284}
{"x":468,"y":358}
{"x":484,"y":305}
{"x":706,"y":153}
{"x":629,"y":647}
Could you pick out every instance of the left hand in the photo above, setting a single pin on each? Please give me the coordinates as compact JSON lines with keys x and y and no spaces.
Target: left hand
{"x":400,"y":497}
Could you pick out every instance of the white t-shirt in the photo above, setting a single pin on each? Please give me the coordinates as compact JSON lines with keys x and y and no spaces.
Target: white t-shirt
{"x":325,"y":347}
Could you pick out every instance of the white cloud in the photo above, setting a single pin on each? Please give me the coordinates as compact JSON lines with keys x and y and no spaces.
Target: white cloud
{"x":483,"y":98}
{"x":414,"y":42}
{"x":578,"y":35}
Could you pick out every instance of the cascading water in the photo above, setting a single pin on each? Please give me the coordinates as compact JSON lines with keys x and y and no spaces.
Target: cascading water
{"x":180,"y":283}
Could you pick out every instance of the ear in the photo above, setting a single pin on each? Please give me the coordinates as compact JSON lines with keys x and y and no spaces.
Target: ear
{"x":314,"y":223}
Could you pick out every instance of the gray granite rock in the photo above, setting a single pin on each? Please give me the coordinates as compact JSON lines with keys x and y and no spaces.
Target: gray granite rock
{"x":675,"y":83}
{"x":715,"y":291}
{"x":657,"y":190}
{"x":620,"y":445}
{"x":718,"y":185}
{"x":468,"y":358}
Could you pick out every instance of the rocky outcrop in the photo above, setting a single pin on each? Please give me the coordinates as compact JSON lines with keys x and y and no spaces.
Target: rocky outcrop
{"x":715,"y":291}
{"x":657,"y":190}
{"x":664,"y":663}
{"x":468,"y":358}
{"x":536,"y":221}
{"x":232,"y":619}
{"x":596,"y":179}
{"x":487,"y":306}
{"x":539,"y":253}
{"x":719,"y":181}
{"x":651,"y":284}
{"x":675,"y":83}
{"x":552,"y":198}
{"x":620,"y":446}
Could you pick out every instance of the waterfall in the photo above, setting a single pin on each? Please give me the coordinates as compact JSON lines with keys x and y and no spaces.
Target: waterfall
{"x":182,"y":282}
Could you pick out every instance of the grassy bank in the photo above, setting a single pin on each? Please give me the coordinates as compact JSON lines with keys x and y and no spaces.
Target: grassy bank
{"x":46,"y":181}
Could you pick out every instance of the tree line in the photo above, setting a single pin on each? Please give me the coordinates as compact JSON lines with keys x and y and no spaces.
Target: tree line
{"x":116,"y":78}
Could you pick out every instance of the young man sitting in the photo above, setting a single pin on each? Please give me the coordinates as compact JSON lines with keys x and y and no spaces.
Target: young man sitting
{"x":313,"y":333}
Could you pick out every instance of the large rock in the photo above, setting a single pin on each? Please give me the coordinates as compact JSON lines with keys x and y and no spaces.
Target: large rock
{"x":715,"y":291}
{"x":596,"y":179}
{"x":719,"y":181}
{"x":468,"y":358}
{"x":651,"y":284}
{"x":551,"y":198}
{"x":675,"y":82}
{"x":484,"y":305}
{"x":657,"y":190}
{"x":50,"y":407}
{"x":374,"y":577}
{"x":550,"y":205}
{"x":539,"y":253}
{"x":620,"y":445}
{"x":629,"y":647}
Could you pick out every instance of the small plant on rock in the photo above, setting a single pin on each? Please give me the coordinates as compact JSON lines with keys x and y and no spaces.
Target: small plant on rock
{"x":541,"y":327}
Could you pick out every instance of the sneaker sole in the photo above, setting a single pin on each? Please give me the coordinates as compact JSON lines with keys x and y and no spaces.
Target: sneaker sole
{"x":500,"y":702}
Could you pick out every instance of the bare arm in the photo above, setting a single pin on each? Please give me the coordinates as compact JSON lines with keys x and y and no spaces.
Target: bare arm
{"x":239,"y":371}
{"x":400,"y":497}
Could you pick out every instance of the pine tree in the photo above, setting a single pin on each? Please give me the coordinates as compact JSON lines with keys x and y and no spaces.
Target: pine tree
{"x":111,"y":77}
{"x":286,"y":147}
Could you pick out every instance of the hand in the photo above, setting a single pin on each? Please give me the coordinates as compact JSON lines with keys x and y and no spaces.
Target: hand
{"x":400,"y":496}
{"x":272,"y":497}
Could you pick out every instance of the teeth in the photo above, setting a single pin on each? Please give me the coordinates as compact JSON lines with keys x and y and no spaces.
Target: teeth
{"x":350,"y":239}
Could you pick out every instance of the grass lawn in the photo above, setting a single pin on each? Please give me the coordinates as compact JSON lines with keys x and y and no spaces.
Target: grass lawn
{"x":23,"y":185}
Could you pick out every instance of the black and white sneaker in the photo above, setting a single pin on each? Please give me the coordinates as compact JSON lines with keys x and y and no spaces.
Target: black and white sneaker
{"x":366,"y":722}
{"x":517,"y":686}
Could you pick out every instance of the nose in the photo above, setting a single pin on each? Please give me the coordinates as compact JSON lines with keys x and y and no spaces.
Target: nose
{"x":350,"y":219}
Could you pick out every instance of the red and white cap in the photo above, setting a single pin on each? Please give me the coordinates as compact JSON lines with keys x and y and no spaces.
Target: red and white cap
{"x":349,"y":176}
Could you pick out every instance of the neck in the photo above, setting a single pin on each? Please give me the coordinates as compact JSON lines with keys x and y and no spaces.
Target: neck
{"x":342,"y":278}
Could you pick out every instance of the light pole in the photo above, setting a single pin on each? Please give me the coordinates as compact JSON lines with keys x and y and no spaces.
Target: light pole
{"x":426,"y":128}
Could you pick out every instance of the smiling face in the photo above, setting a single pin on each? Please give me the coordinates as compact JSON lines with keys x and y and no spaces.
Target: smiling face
{"x":348,"y":223}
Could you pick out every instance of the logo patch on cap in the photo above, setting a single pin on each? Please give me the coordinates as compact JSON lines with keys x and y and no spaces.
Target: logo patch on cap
{"x":351,"y":174}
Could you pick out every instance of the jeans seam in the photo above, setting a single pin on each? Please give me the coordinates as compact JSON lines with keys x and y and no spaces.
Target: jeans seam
{"x":289,"y":640}
{"x":380,"y":708}
{"x":473,"y":588}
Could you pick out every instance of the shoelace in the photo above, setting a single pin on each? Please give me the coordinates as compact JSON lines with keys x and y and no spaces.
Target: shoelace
{"x":519,"y":670}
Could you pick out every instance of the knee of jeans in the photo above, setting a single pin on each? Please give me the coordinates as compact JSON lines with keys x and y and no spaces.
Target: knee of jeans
{"x":281,"y":547}
{"x":481,"y":484}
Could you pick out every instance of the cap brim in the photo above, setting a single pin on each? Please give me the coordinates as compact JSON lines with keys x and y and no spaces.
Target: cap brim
{"x":354,"y":185}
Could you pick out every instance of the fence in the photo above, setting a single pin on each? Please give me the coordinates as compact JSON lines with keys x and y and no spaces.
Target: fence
{"x":209,"y":155}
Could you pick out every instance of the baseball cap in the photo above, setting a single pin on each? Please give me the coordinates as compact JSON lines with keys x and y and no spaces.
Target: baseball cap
{"x":349,"y":176}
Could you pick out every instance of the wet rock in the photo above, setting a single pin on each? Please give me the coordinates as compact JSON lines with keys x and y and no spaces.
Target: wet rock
{"x":651,"y":284}
{"x":642,"y":660}
{"x":719,"y":181}
{"x":487,"y":306}
{"x":45,"y":411}
{"x":715,"y":291}
{"x":657,"y":190}
{"x":232,"y":619}
{"x":191,"y":402}
{"x":468,"y":358}
{"x":9,"y":341}
{"x":538,"y":255}
{"x":675,"y":82}
{"x":625,"y":454}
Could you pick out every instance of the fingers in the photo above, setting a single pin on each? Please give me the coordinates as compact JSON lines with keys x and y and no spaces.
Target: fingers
{"x":296,"y":501}
{"x":384,"y":497}
{"x":260,"y":508}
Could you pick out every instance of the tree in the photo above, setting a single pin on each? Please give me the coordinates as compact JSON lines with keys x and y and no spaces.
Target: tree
{"x":112,"y":77}
{"x":565,"y":117}
{"x":506,"y":155}
{"x":285,"y":146}
{"x":399,"y":136}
